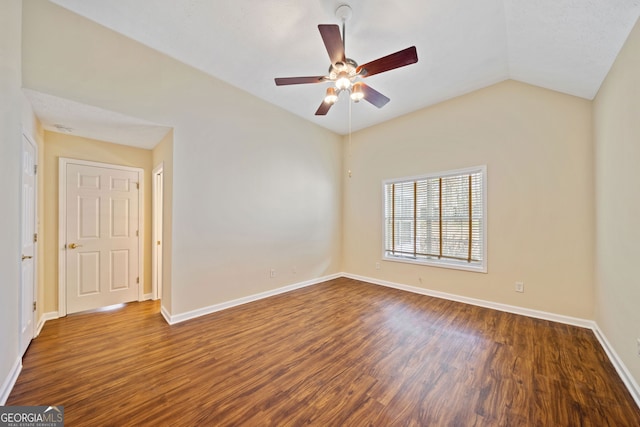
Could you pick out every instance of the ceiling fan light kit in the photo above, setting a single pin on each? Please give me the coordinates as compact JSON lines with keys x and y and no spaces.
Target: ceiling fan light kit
{"x":332,"y":96}
{"x":356,"y":92}
{"x":345,"y":73}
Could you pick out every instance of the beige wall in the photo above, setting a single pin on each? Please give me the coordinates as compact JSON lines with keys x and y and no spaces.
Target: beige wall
{"x":537,"y":146}
{"x":163,"y":154}
{"x":254,"y":187}
{"x":616,"y":112}
{"x":61,"y":145}
{"x":10,"y":143}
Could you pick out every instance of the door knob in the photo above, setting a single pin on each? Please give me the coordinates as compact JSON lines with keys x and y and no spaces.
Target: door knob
{"x":73,"y":246}
{"x":26,"y":257}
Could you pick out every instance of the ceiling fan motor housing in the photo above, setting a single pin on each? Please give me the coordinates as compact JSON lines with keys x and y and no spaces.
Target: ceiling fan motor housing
{"x":349,"y":66}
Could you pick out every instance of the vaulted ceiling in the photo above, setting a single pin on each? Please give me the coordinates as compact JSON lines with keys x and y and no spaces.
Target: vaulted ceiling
{"x":463,"y":45}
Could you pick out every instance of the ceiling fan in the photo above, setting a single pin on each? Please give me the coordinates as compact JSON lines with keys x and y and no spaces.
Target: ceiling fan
{"x":345,"y":73}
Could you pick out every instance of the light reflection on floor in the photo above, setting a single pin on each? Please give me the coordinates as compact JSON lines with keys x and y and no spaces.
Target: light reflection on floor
{"x":113,"y":307}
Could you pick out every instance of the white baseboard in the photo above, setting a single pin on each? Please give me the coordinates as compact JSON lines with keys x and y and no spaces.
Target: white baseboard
{"x":583,"y":323}
{"x":147,"y":297}
{"x":165,"y":314}
{"x":618,"y":364}
{"x":45,"y":316}
{"x":10,"y":381}
{"x":621,"y":368}
{"x":181,"y":317}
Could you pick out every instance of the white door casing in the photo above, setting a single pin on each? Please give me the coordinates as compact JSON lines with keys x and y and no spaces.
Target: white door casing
{"x":28,"y":243}
{"x":157,"y":239}
{"x":100,"y":235}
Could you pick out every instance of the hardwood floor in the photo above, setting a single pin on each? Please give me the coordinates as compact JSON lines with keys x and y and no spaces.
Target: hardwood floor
{"x":341,"y":353}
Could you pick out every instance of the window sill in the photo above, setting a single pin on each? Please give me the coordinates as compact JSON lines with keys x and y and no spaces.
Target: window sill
{"x":450,"y":264}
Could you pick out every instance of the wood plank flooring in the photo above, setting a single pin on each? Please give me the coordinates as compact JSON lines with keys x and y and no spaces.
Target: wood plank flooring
{"x":341,"y":353}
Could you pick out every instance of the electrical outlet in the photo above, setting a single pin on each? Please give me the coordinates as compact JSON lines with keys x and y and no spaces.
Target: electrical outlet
{"x":377,"y":266}
{"x":519,"y":286}
{"x":272,"y":273}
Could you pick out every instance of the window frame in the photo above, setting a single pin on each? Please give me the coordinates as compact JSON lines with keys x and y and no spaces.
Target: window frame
{"x":480,"y":267}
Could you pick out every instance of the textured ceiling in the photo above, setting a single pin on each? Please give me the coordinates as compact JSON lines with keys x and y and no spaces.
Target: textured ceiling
{"x":463,"y":45}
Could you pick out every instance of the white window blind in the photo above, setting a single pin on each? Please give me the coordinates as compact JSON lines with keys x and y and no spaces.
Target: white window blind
{"x":437,"y":219}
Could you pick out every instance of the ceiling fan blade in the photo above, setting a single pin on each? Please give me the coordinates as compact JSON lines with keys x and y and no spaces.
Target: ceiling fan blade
{"x":373,"y":96}
{"x":333,"y":42}
{"x":282,"y":81}
{"x":395,"y":60}
{"x":323,"y":109}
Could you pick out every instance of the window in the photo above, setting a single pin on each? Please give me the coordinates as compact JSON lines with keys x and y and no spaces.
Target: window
{"x":437,"y":219}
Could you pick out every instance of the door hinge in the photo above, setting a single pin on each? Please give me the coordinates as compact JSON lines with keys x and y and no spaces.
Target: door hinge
{"x":137,"y":233}
{"x":137,"y":280}
{"x":35,"y":169}
{"x":35,"y":237}
{"x":34,"y":306}
{"x":137,"y":185}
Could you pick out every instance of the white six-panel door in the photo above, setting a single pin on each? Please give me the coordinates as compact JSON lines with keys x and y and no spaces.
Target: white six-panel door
{"x":102,"y":236}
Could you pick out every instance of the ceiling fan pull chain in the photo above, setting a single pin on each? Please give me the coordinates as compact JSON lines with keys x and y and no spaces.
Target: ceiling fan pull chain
{"x":349,"y":143}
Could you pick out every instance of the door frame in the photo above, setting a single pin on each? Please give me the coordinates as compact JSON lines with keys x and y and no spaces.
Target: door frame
{"x":34,"y":313}
{"x":157,"y":222}
{"x":62,"y":225}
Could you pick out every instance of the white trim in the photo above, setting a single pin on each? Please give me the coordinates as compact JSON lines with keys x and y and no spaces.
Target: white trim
{"x":441,"y":174}
{"x":62,"y":226}
{"x":617,"y":363}
{"x":157,"y":220}
{"x":575,"y":321}
{"x":147,"y":297}
{"x":10,"y":381}
{"x":177,"y":318}
{"x":141,"y":236}
{"x":538,"y":314}
{"x":36,"y":258}
{"x":442,"y":263}
{"x":165,"y":313}
{"x":43,"y":319}
{"x":62,"y":231}
{"x":450,"y":264}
